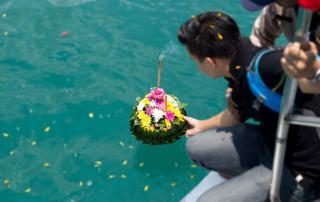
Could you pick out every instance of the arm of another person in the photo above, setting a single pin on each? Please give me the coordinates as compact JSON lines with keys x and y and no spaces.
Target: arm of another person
{"x":266,"y":28}
{"x":303,"y":66}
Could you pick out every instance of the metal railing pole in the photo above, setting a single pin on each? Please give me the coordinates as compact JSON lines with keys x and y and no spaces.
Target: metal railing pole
{"x":281,"y":138}
{"x":289,"y":94}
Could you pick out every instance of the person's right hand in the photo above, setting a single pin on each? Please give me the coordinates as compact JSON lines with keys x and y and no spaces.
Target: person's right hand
{"x":299,"y":63}
{"x":196,"y":126}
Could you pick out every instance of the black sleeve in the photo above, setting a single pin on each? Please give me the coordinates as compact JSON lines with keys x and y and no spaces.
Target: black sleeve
{"x":270,"y":69}
{"x":271,"y":72}
{"x":243,"y":97}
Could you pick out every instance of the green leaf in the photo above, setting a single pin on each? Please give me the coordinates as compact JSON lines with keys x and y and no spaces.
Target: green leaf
{"x":162,"y":125}
{"x":138,"y":99}
{"x":136,"y":123}
{"x":183,"y":105}
{"x":133,"y":117}
{"x":176,"y":121}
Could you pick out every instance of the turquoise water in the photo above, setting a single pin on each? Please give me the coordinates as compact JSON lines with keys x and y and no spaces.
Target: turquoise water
{"x":65,"y":100}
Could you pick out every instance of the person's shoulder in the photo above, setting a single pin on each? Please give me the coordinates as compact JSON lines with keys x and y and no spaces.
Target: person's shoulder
{"x":270,"y":67}
{"x":246,"y":42}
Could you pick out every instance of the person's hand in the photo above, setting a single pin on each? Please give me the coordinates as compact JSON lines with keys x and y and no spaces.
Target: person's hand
{"x":298,"y":62}
{"x":231,"y":105}
{"x":196,"y":126}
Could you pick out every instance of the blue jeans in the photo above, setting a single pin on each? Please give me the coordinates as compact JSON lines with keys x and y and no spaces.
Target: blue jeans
{"x":240,"y":151}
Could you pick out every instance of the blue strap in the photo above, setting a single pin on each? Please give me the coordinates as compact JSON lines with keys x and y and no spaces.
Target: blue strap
{"x":265,"y":95}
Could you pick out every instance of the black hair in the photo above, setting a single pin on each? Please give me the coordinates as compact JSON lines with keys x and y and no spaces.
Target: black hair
{"x":210,"y":34}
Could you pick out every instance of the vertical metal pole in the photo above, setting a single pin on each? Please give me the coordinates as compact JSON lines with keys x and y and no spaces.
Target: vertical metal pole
{"x":302,"y":27}
{"x":281,"y":138}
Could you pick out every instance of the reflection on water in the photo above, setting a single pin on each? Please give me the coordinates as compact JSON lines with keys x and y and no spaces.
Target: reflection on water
{"x":69,"y":2}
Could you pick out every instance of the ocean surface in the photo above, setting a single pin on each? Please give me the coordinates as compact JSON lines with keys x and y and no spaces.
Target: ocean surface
{"x":70,"y":71}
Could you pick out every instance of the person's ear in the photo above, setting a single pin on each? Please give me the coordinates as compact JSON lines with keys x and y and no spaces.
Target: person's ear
{"x":210,"y":62}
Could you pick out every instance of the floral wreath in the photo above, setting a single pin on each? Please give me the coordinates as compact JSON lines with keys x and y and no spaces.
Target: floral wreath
{"x":158,"y":118}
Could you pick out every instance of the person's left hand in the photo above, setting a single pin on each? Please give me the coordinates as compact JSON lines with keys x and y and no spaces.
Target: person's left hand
{"x":299,"y":63}
{"x":196,"y":126}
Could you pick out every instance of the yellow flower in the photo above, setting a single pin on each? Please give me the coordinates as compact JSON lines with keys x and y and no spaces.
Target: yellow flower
{"x":145,"y":101}
{"x":169,"y":104}
{"x":170,"y":107}
{"x":145,"y":122}
{"x":168,"y":124}
{"x":177,"y":112}
{"x":141,"y":115}
{"x":181,"y":118}
{"x":151,"y":129}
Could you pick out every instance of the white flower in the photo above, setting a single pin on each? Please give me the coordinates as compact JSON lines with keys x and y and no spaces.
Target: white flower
{"x":152,"y":103}
{"x":172,"y":101}
{"x":157,"y":114}
{"x":140,"y":106}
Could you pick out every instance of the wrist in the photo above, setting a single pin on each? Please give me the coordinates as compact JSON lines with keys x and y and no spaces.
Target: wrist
{"x":315,"y":77}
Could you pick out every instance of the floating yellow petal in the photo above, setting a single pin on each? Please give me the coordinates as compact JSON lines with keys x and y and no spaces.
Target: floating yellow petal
{"x":27,"y":190}
{"x":173,"y":184}
{"x":193,"y":165}
{"x":6,"y":135}
{"x":125,"y":162}
{"x":46,"y":129}
{"x":130,"y":147}
{"x":238,"y":67}
{"x":146,"y":188}
{"x":123,"y":176}
{"x":33,"y":143}
{"x":219,"y":14}
{"x":97,"y":164}
{"x":91,"y":115}
{"x":111,"y":176}
{"x":6,"y":182}
{"x":220,"y":37}
{"x":12,"y":152}
{"x":46,"y":165}
{"x":81,"y":184}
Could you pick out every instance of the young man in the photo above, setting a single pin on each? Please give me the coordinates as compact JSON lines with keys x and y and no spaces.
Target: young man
{"x":228,"y":145}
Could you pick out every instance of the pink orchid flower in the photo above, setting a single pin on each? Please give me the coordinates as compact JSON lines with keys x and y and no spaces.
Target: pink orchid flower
{"x":170,"y":116}
{"x":149,"y":110}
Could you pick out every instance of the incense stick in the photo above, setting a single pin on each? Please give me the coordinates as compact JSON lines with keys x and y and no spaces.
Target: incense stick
{"x":160,"y":70}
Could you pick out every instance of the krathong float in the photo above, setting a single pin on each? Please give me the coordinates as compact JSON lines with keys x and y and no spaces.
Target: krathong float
{"x":158,"y":118}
